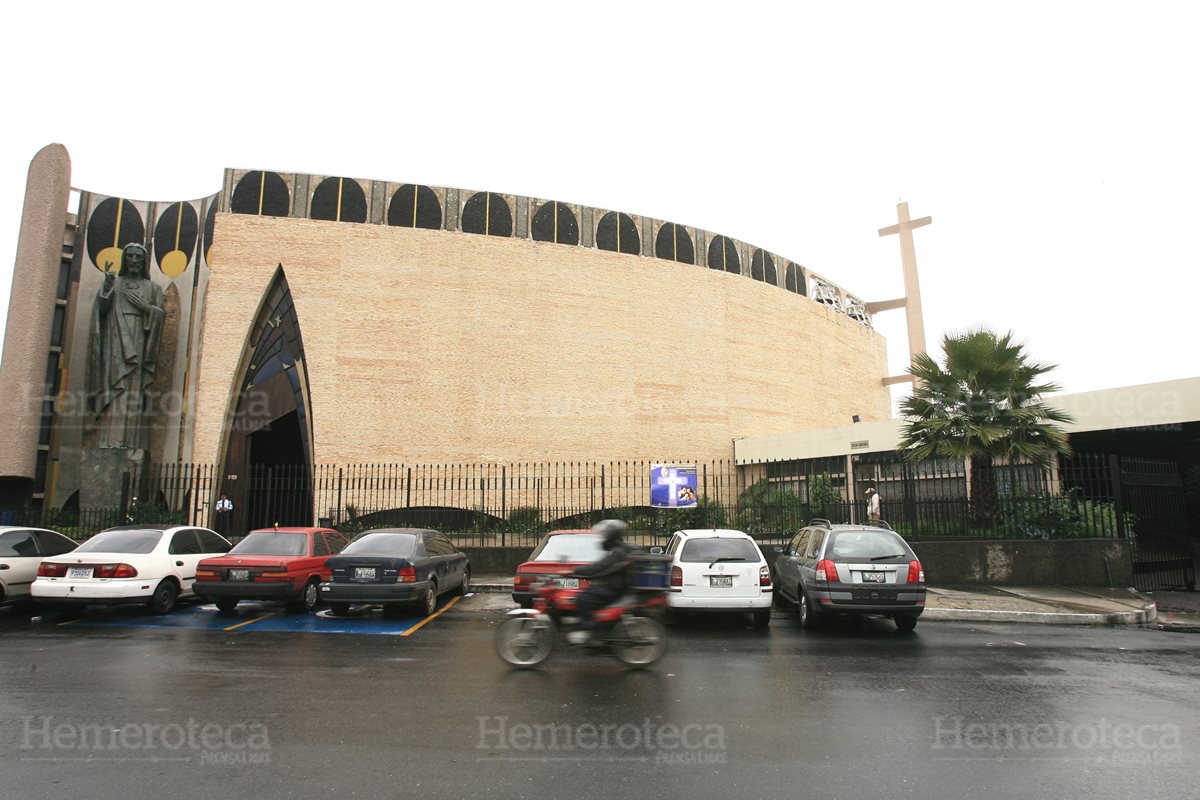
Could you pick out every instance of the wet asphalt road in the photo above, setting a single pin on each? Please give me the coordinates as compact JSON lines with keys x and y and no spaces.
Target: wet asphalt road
{"x":952,"y":711}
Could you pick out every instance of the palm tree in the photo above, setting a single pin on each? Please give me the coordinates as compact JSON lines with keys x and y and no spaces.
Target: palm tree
{"x":984,"y":404}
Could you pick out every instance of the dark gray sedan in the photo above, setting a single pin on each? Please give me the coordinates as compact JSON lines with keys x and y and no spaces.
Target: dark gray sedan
{"x":395,"y":567}
{"x":850,"y":569}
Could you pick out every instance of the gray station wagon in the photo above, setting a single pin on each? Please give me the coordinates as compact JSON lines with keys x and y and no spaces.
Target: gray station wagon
{"x":850,"y":569}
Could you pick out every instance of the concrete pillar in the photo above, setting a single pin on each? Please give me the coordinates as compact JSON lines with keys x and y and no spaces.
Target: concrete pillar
{"x":31,"y":309}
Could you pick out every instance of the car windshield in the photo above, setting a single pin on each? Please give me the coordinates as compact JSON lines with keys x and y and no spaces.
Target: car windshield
{"x":270,"y":543}
{"x":865,"y":545}
{"x":133,"y":542}
{"x":394,"y":545}
{"x":709,"y":549}
{"x":571,"y":547}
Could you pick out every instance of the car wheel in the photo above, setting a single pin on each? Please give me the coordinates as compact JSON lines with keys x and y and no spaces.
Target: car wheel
{"x":226,"y":604}
{"x":339,"y":609}
{"x":762,"y":617}
{"x":465,"y":586}
{"x":906,"y":622}
{"x":309,"y":599}
{"x":428,"y":601}
{"x":809,"y":616}
{"x":163,"y":599}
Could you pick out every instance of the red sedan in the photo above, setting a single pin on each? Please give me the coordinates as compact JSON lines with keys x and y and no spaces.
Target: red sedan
{"x":558,"y":554}
{"x":285,"y":564}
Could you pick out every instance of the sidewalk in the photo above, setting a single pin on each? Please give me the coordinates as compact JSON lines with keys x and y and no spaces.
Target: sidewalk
{"x":1046,"y":605}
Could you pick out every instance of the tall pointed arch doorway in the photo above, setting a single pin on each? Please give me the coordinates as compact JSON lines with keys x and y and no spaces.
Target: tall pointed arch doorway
{"x":268,"y":437}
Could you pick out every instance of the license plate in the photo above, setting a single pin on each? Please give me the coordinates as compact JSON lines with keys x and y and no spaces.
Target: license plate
{"x":567,"y":583}
{"x":720,"y":581}
{"x":364,"y":573}
{"x":873,"y":577}
{"x":239,"y":574}
{"x":79,"y":572}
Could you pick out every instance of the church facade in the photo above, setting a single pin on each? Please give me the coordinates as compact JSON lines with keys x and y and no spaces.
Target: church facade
{"x":316,"y":320}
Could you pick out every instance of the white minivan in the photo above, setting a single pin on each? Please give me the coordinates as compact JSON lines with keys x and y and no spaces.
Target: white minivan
{"x":719,"y":570}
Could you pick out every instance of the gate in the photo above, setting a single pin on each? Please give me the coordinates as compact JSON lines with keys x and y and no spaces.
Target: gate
{"x":1151,"y":489}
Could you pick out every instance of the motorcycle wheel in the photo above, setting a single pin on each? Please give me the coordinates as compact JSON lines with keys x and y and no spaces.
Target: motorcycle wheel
{"x":525,"y":641}
{"x":638,"y":641}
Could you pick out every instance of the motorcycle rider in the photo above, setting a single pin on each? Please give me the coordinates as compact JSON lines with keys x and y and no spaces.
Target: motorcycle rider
{"x":608,"y":578}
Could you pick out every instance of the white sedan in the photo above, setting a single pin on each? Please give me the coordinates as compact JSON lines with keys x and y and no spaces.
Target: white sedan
{"x":147,"y":564}
{"x":21,"y":550}
{"x":719,"y":570}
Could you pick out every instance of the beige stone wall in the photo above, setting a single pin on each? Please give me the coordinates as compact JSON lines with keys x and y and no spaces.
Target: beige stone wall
{"x":435,"y":346}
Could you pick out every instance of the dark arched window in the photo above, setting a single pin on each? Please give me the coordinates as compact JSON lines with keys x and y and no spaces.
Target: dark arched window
{"x":262,"y":194}
{"x":415,"y":207}
{"x":488,"y":214}
{"x":617,"y":232}
{"x":674,"y":244}
{"x":762,"y":267}
{"x":175,"y":236}
{"x":339,"y":200}
{"x":722,"y":254}
{"x":555,"y":222}
{"x":794,"y":279}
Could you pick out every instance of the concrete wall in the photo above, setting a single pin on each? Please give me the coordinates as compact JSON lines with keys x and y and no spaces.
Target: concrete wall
{"x":437,"y":346}
{"x":493,"y":561}
{"x":1053,"y":562}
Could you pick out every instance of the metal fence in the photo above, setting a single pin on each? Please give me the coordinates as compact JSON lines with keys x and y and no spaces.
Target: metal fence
{"x":514,"y":504}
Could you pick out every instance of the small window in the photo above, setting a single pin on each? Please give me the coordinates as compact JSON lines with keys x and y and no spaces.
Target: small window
{"x":185,"y":543}
{"x":54,"y":544}
{"x":339,"y":200}
{"x":814,"y":546}
{"x":618,"y":233}
{"x":319,"y":546}
{"x":415,"y":206}
{"x":212,"y":543}
{"x":434,"y":546}
{"x":262,"y":194}
{"x":555,"y":222}
{"x":451,"y":550}
{"x":335,"y":542}
{"x":673,"y":546}
{"x":800,"y":543}
{"x":674,"y":244}
{"x":18,"y":544}
{"x":488,"y":214}
{"x":722,"y":254}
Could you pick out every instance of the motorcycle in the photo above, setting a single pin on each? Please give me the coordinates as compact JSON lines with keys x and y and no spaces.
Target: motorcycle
{"x":531,"y":634}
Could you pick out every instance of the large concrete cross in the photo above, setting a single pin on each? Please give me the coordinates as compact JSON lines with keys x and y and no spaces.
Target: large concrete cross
{"x":911,"y":302}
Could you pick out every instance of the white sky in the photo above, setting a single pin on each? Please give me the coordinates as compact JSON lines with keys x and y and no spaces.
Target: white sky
{"x":1055,"y":144}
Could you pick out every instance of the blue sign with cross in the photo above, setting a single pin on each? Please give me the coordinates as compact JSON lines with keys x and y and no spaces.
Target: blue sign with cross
{"x":672,"y":487}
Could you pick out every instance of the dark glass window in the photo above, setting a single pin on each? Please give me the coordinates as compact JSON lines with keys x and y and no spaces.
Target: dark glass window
{"x":709,"y":549}
{"x":39,"y":473}
{"x":814,"y":547}
{"x":52,"y":374}
{"x":794,"y":279}
{"x":762,"y":267}
{"x":64,"y":279}
{"x":185,"y":543}
{"x":56,"y":327}
{"x":722,"y":254}
{"x":415,"y":206}
{"x":617,"y":232}
{"x":263,"y":194}
{"x":555,"y":222}
{"x":212,"y":543}
{"x":53,"y":544}
{"x":319,"y":546}
{"x":488,"y":214}
{"x":674,"y":244}
{"x":397,"y":545}
{"x":18,"y":544}
{"x":339,"y":200}
{"x":272,"y":543}
{"x":336,"y":543}
{"x":132,"y":542}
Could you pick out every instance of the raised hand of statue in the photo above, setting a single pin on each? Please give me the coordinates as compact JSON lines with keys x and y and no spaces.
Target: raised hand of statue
{"x":109,"y":276}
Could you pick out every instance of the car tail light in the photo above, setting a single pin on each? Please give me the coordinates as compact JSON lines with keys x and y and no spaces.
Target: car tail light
{"x":206,"y":574}
{"x":764,"y":576}
{"x":519,"y":581}
{"x":407,"y":574}
{"x":827,"y":571}
{"x":113,"y":571}
{"x":50,"y":570}
{"x":676,"y":576}
{"x":915,"y":573}
{"x":272,"y":574}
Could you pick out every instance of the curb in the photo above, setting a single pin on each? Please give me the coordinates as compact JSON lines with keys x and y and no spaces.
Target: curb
{"x":1140,"y":617}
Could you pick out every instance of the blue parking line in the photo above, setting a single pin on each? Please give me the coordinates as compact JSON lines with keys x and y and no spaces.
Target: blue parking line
{"x":251,"y":617}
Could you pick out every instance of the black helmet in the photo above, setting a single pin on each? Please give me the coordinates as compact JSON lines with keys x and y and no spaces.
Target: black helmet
{"x":613,"y":531}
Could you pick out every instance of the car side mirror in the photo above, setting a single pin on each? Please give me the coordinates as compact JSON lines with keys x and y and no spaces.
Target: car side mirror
{"x":656,"y":551}
{"x":778,"y":548}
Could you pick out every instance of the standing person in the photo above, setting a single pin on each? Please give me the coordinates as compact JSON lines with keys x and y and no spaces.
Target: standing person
{"x":224,"y":512}
{"x":872,"y":506}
